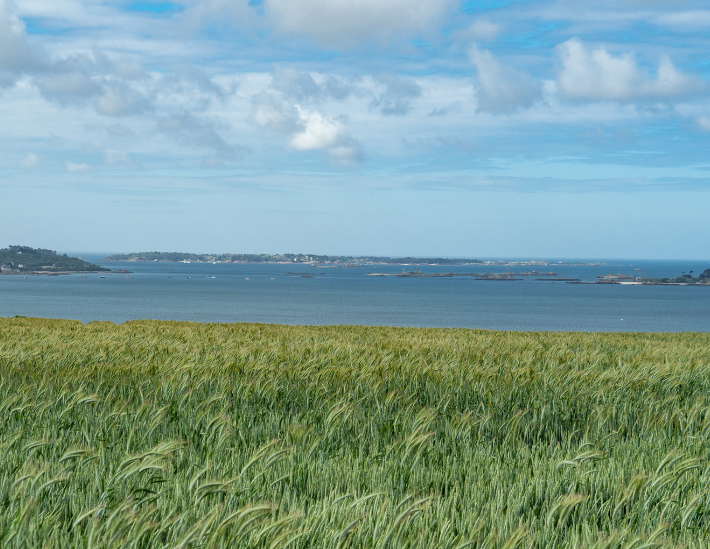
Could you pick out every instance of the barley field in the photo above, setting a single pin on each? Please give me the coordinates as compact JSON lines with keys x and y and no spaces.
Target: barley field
{"x":175,"y":435}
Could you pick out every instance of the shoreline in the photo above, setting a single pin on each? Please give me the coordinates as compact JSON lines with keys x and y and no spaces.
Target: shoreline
{"x":63,"y":273}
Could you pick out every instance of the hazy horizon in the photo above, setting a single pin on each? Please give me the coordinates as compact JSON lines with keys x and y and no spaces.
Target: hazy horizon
{"x":453,"y":128}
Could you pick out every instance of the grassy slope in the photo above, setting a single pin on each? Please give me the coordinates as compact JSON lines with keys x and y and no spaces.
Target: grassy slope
{"x":547,"y":439}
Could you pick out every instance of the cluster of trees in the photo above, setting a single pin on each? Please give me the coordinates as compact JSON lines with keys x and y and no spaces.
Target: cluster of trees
{"x":26,"y":259}
{"x":686,"y":278}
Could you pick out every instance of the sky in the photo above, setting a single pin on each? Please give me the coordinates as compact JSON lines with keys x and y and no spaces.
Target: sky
{"x":459,"y":128}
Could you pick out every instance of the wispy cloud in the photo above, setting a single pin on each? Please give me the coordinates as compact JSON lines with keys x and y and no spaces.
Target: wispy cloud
{"x":396,"y":95}
{"x":193,"y":131}
{"x":77,"y":168}
{"x":501,"y":88}
{"x":30,"y":161}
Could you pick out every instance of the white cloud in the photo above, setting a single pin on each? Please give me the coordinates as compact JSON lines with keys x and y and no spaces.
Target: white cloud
{"x":347,"y":22}
{"x":318,"y":133}
{"x":298,"y":85}
{"x":307,"y":130}
{"x":704,"y":123}
{"x":77,"y":168}
{"x":68,"y":82}
{"x":321,"y":133}
{"x":119,"y":99}
{"x":501,"y":88}
{"x":599,"y":75}
{"x":29,"y":161}
{"x":301,"y":86}
{"x":478,"y":31}
{"x":271,"y":112}
{"x":688,"y":21}
{"x":200,"y":12}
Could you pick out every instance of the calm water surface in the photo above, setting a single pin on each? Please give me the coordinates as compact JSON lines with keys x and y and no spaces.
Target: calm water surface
{"x":222,"y":293}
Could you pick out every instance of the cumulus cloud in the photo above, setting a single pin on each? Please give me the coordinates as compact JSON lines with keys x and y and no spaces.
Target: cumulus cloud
{"x":193,"y":131}
{"x":77,"y":168}
{"x":397,"y":95}
{"x":80,"y":78}
{"x":501,"y":88}
{"x":478,"y":31}
{"x":598,"y":75}
{"x":70,"y":80}
{"x":324,"y":134}
{"x":306,"y":130}
{"x":339,"y":23}
{"x":16,"y":55}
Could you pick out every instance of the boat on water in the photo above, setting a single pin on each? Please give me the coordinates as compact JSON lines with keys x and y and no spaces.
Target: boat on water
{"x":247,"y":278}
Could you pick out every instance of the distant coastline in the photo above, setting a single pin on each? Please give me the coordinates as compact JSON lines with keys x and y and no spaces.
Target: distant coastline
{"x":683,"y":280}
{"x":326,"y":260}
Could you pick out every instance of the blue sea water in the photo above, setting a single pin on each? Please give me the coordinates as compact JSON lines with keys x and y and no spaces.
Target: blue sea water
{"x":267,"y":293}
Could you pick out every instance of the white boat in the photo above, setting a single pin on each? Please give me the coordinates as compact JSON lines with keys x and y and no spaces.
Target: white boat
{"x":247,"y":278}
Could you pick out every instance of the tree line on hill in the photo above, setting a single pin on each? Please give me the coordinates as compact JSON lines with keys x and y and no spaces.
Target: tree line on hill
{"x":24,"y":259}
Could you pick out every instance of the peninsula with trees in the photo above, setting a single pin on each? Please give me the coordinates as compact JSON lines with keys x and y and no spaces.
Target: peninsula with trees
{"x":685,"y":279}
{"x":26,"y":260}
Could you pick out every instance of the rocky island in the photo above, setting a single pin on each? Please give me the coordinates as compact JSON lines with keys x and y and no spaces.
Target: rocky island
{"x":477,"y":276}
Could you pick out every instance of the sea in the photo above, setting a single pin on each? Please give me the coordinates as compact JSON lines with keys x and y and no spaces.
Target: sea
{"x":318,"y":295}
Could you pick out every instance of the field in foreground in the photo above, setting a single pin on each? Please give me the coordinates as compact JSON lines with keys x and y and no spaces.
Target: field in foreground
{"x":158,"y":434}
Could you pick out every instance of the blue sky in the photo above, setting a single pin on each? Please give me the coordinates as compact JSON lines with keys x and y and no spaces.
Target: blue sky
{"x":414,"y":127}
